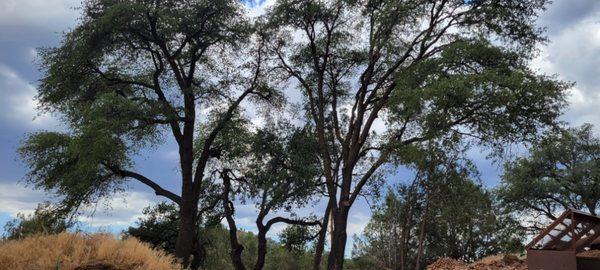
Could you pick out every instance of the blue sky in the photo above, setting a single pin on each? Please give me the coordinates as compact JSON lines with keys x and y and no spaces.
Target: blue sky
{"x":573,"y":54}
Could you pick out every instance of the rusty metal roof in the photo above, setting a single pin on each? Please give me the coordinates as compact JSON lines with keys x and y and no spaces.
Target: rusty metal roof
{"x":572,"y":230}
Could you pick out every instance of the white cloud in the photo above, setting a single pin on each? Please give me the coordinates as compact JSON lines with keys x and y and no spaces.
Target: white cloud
{"x":119,"y":210}
{"x":357,"y":223}
{"x":54,"y":14}
{"x":573,"y":54}
{"x":17,"y":198}
{"x":564,"y":13}
{"x":20,"y":104}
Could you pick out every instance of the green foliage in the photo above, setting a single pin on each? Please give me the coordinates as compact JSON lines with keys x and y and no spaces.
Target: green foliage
{"x":282,"y":166}
{"x":120,"y":79}
{"x":466,"y":224}
{"x":462,"y":224}
{"x":74,"y":166}
{"x":159,"y":228}
{"x":295,"y":238}
{"x":488,"y":91}
{"x":443,"y":211}
{"x":428,"y":70}
{"x":112,"y":50}
{"x":279,"y":257}
{"x":562,"y":170}
{"x":274,"y":166}
{"x":45,"y":220}
{"x":132,"y":72}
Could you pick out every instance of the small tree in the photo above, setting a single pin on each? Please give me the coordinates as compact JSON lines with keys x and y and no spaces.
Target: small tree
{"x":45,"y":220}
{"x":561,"y":171}
{"x":158,"y":227}
{"x":278,"y":171}
{"x":442,"y":213}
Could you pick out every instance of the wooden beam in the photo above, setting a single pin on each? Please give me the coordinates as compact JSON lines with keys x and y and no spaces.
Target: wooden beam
{"x":582,"y":243}
{"x":548,"y":229}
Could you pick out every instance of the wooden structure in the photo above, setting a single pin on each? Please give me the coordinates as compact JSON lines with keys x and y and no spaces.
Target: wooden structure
{"x":557,"y":247}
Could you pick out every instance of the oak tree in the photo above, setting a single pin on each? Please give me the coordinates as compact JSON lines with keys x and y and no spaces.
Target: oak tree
{"x":131,"y":74}
{"x":378,"y":76}
{"x":561,"y":171}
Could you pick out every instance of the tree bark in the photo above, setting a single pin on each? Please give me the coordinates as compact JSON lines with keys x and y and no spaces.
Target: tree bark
{"x":199,"y":253}
{"x":263,"y":229}
{"x":188,"y":210}
{"x":405,"y":227}
{"x":262,"y":249}
{"x":236,"y":248}
{"x":339,"y":238}
{"x":421,"y":237}
{"x":320,"y":246}
{"x":184,"y":246}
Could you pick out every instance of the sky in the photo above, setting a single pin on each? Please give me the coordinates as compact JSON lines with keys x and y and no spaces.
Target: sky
{"x":573,"y":54}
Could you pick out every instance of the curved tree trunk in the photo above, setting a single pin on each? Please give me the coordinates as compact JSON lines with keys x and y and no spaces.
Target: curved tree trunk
{"x":262,"y":249}
{"x":236,"y":248}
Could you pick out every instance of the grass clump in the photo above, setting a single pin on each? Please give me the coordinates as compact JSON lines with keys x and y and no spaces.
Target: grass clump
{"x":78,"y":251}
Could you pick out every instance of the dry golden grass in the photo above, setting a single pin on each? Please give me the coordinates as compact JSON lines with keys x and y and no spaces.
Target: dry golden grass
{"x":67,"y":251}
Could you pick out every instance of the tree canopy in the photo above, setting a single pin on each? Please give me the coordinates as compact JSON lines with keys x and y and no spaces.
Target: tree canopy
{"x":132,"y":73}
{"x":379,"y":77}
{"x":279,"y":172}
{"x":348,"y":89}
{"x":561,"y":171}
{"x":442,"y":212}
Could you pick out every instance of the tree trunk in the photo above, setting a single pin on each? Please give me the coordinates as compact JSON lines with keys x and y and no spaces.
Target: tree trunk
{"x":405,"y":227}
{"x":187,"y":231}
{"x":339,"y":237}
{"x":188,"y":209}
{"x":262,"y":249}
{"x":421,"y":236}
{"x":199,"y":254}
{"x":236,"y":248}
{"x":320,"y":246}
